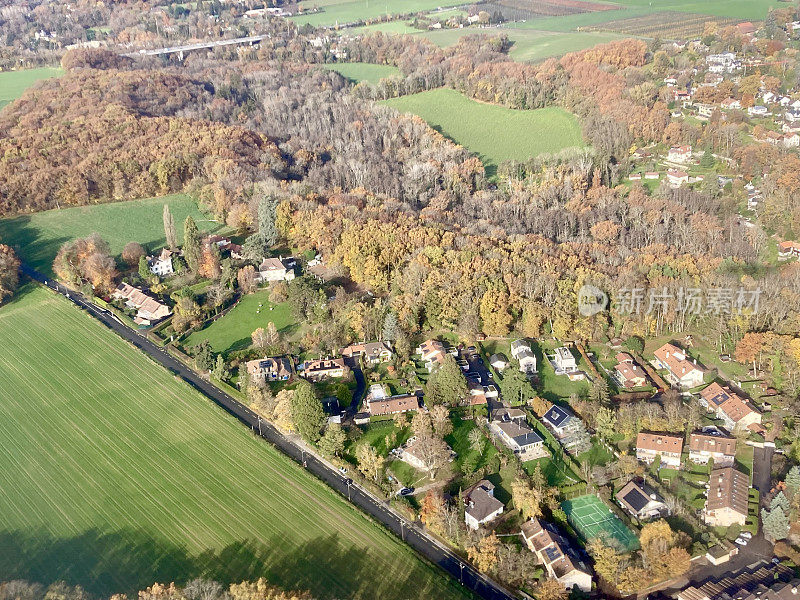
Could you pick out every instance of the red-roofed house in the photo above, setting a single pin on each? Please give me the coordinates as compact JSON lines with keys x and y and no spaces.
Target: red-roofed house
{"x":681,"y":371}
{"x":668,"y":447}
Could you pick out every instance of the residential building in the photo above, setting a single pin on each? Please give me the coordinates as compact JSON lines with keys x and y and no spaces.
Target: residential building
{"x":507,"y":415}
{"x":681,"y":371}
{"x":149,"y":310}
{"x":161,"y":265}
{"x":568,"y":429}
{"x":735,"y":411}
{"x":373,"y":353}
{"x":554,"y":552}
{"x":788,"y":249}
{"x":522,"y":352}
{"x":712,"y":446}
{"x":758,"y":111}
{"x":731,"y":104}
{"x":411,"y":453}
{"x":727,"y":500}
{"x":668,"y":447}
{"x":520,"y":438}
{"x":390,"y":405}
{"x":651,"y":175}
{"x":267,"y":369}
{"x":224,"y":244}
{"x":324,"y":368}
{"x":498,"y":361}
{"x":433,"y":353}
{"x":627,"y":373}
{"x":791,"y":140}
{"x":704,"y":111}
{"x":564,"y":360}
{"x":677,"y":178}
{"x":680,"y":154}
{"x":641,"y":501}
{"x":480,"y":505}
{"x":276,"y":269}
{"x":725,"y":62}
{"x":770,"y":582}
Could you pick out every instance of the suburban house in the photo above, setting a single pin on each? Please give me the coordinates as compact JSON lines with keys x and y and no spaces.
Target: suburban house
{"x":263,"y":370}
{"x":432,"y":353}
{"x":681,"y":371}
{"x":679,"y":154}
{"x":276,"y":269}
{"x":556,"y":555}
{"x":641,"y":502}
{"x":717,"y":447}
{"x":498,"y":361}
{"x":627,"y":373}
{"x":476,"y":396}
{"x":378,"y":406}
{"x":568,"y":429}
{"x":731,"y":104}
{"x":224,"y":244}
{"x":520,"y":438}
{"x":735,"y":411}
{"x":668,"y":447}
{"x":677,"y":178}
{"x":728,"y":495}
{"x":149,"y":310}
{"x":758,"y":111}
{"x":480,"y":505}
{"x":372,"y":352}
{"x":564,"y":361}
{"x":789,"y":250}
{"x":324,"y":368}
{"x":507,"y":415}
{"x":411,"y":454}
{"x":522,"y":353}
{"x":769,"y":582}
{"x":161,"y":265}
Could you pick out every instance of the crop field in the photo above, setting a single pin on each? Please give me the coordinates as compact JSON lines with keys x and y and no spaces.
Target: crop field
{"x":349,"y":11}
{"x":13,"y":83}
{"x":399,"y":27}
{"x":116,"y":474}
{"x":664,"y":25}
{"x":232,"y":332}
{"x":494,"y":133}
{"x":754,"y":10}
{"x":37,"y":237}
{"x":360,"y":71}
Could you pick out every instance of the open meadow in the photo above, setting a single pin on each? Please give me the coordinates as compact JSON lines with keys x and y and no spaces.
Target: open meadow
{"x":494,"y":133}
{"x":116,"y":474}
{"x":360,"y":71}
{"x":13,"y":83}
{"x":37,"y":237}
{"x":340,"y":12}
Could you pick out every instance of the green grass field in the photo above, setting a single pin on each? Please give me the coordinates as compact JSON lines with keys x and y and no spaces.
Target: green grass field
{"x":592,"y":519}
{"x":734,"y":9}
{"x":38,"y":237}
{"x":13,"y":83}
{"x":116,"y":474}
{"x":347,"y":11}
{"x":233,"y":331}
{"x":388,"y":27}
{"x":363,"y":71}
{"x":494,"y":133}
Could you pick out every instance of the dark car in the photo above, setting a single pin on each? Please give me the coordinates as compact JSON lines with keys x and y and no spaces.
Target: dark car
{"x":407,"y":491}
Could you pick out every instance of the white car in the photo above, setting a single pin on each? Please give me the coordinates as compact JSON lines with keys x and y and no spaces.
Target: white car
{"x":746,"y":535}
{"x":741,"y":541}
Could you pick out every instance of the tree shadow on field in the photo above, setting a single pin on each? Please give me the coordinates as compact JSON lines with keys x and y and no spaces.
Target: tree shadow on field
{"x":128,"y":561}
{"x":30,"y":244}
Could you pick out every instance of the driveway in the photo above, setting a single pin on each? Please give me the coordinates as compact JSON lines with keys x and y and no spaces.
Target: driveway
{"x":361,"y":385}
{"x":762,"y":470}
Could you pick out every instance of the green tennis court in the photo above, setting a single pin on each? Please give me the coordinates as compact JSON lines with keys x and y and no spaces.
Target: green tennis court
{"x":592,"y":518}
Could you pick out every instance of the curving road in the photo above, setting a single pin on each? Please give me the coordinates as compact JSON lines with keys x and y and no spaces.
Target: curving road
{"x":408,"y":531}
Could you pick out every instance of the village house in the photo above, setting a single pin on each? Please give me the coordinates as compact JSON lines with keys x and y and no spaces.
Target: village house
{"x":520,"y":438}
{"x":627,"y":373}
{"x":681,"y":371}
{"x":523,"y":354}
{"x":770,"y":582}
{"x":679,"y":154}
{"x":704,"y":111}
{"x":635,"y":177}
{"x":161,"y":265}
{"x":149,"y":310}
{"x":411,"y":453}
{"x":480,"y":505}
{"x":263,"y":370}
{"x":568,"y":429}
{"x":652,"y":445}
{"x":651,"y":175}
{"x":477,"y":394}
{"x":379,"y":404}
{"x":758,"y":111}
{"x":791,"y":140}
{"x":324,"y":368}
{"x":641,"y":502}
{"x":725,"y":62}
{"x":554,"y":552}
{"x":788,"y":249}
{"x":276,"y":269}
{"x":728,"y":495}
{"x":432,"y":353}
{"x":731,"y":104}
{"x":499,"y":362}
{"x":677,"y":178}
{"x":564,"y":361}
{"x":373,"y":353}
{"x":735,"y":411}
{"x":225,"y":245}
{"x":705,"y":446}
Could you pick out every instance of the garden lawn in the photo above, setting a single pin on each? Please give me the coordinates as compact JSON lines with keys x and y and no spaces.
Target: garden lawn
{"x":13,"y":83}
{"x":494,"y":133}
{"x":342,"y":12}
{"x":233,"y":331}
{"x":553,"y":471}
{"x":360,"y":71}
{"x":38,"y":237}
{"x":115,"y":474}
{"x":466,"y":454}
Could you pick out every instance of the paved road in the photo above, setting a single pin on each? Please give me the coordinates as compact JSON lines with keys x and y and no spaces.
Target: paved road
{"x":370,"y":504}
{"x":253,"y":39}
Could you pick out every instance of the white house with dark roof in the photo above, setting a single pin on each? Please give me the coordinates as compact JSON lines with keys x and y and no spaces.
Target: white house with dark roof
{"x":568,"y":429}
{"x":523,"y":354}
{"x":640,"y":501}
{"x":161,"y":265}
{"x":480,"y":505}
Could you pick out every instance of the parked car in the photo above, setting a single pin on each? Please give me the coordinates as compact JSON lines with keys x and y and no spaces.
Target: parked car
{"x":741,"y":541}
{"x":407,"y":491}
{"x":746,"y":535}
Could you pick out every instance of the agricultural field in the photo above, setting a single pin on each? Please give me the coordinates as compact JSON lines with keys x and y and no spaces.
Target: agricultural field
{"x":494,"y":133}
{"x":360,"y":71}
{"x":754,"y":10}
{"x":37,"y":237}
{"x":338,"y":12}
{"x":116,"y":474}
{"x":13,"y":83}
{"x":668,"y":25}
{"x":232,"y":332}
{"x":399,"y":27}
